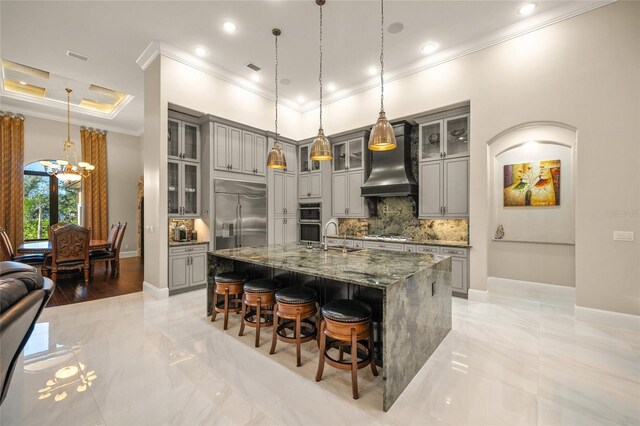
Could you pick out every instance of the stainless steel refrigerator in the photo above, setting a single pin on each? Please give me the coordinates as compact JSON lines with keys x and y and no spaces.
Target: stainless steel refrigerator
{"x":240,"y":214}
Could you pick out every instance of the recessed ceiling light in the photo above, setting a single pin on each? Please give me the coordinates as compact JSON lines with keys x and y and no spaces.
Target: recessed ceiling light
{"x":372,"y":70}
{"x":256,"y":77}
{"x":200,"y":51}
{"x":285,"y":81}
{"x":301,"y":99}
{"x":23,"y":83}
{"x":527,"y":9}
{"x":396,"y":28}
{"x":429,"y":48}
{"x":229,"y":27}
{"x":331,"y":87}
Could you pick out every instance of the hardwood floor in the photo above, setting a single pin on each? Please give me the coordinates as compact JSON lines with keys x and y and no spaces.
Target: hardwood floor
{"x":103,"y":284}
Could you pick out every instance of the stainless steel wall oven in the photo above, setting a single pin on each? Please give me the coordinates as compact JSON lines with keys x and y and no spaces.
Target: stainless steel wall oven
{"x":310,"y":222}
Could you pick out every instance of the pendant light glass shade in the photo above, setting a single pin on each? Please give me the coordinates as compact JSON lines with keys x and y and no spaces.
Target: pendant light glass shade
{"x":382,"y":137}
{"x":276,"y":158}
{"x":321,"y":147}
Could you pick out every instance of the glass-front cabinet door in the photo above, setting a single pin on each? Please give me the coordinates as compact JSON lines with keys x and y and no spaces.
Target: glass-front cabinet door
{"x":191,"y":143}
{"x":457,"y":130}
{"x":355,"y":154}
{"x":431,"y":141}
{"x":173,"y":198}
{"x":339,"y":157}
{"x":173,"y":138}
{"x":190,"y":191}
{"x":304,"y":158}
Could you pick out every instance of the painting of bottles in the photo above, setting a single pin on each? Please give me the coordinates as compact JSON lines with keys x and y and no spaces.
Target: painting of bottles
{"x":535,"y":184}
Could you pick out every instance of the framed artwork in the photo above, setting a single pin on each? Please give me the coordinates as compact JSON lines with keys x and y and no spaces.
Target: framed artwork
{"x":535,"y":184}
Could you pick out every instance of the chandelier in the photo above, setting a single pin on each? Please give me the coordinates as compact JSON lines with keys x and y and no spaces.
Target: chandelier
{"x":64,"y":170}
{"x":321,"y":147}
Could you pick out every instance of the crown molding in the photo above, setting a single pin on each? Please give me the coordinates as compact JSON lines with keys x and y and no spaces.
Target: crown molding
{"x":157,"y":48}
{"x":38,"y":114}
{"x":525,"y":26}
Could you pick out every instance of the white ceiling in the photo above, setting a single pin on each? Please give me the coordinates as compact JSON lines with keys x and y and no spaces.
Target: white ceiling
{"x":114,"y":35}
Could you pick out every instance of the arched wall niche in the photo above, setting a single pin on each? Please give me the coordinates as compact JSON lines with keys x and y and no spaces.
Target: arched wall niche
{"x":538,"y":244}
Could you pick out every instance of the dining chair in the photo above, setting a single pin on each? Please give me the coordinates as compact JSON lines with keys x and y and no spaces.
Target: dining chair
{"x":7,"y":248}
{"x":69,"y":251}
{"x":111,"y":256}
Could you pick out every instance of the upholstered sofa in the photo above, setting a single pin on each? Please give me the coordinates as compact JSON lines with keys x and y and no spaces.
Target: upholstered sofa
{"x":23,"y":295}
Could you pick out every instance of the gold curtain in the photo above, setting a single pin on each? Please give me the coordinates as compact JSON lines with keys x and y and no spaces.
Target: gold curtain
{"x":94,"y":187}
{"x":12,"y":178}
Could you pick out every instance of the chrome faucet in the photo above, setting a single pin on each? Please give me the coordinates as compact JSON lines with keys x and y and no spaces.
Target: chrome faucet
{"x":326,"y":247}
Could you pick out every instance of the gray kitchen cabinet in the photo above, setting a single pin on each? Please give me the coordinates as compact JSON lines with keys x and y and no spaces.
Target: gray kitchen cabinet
{"x":284,"y":193}
{"x":306,"y":163}
{"x":383,"y":246}
{"x":285,"y":230}
{"x":238,"y":150}
{"x":346,"y":198}
{"x":348,"y":155}
{"x":187,"y":266}
{"x":253,"y":153}
{"x":456,"y":187}
{"x":183,"y":189}
{"x":183,"y":140}
{"x":444,"y":138}
{"x":444,"y":188}
{"x":310,"y":185}
{"x":431,"y":189}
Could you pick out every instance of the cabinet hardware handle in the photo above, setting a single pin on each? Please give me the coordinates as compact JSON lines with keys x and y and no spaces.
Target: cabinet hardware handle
{"x":444,"y":209}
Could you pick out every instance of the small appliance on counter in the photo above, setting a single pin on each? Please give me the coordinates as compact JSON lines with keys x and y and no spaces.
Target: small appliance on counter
{"x":180,"y":233}
{"x":193,"y":235}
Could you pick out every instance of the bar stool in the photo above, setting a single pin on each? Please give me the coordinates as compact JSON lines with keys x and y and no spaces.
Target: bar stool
{"x":259,"y":294}
{"x":228,"y":284}
{"x":346,"y":321}
{"x":294,"y":306}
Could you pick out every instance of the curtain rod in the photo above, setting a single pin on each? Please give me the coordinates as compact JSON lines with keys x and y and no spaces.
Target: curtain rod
{"x":12,"y":115}
{"x":91,"y":129}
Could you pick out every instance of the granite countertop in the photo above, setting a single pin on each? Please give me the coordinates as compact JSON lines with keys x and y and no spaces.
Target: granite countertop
{"x":442,"y":243}
{"x":186,"y":243}
{"x":370,"y":268}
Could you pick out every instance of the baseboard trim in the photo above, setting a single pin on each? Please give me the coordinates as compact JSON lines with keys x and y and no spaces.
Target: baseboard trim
{"x":158,"y":293}
{"x":608,"y":318}
{"x":478,"y":295}
{"x":128,"y":254}
{"x":495,"y":282}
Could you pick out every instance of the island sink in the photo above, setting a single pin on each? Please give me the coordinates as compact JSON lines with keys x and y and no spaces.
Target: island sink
{"x":410,"y":294}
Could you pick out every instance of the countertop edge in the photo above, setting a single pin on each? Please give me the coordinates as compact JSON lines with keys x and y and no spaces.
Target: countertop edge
{"x":439,"y":243}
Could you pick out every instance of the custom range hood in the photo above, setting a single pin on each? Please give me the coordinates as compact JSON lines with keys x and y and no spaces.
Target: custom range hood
{"x":391,"y":174}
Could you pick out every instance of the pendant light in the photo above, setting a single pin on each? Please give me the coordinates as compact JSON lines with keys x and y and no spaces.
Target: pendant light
{"x":64,"y":170}
{"x":276,"y":159}
{"x":382,"y":137}
{"x":321,"y":148}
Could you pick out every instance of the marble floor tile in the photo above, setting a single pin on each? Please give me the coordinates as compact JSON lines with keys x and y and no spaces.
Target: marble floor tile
{"x":521,"y":358}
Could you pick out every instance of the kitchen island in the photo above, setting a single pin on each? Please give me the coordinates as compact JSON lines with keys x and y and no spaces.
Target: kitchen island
{"x":413,"y":315}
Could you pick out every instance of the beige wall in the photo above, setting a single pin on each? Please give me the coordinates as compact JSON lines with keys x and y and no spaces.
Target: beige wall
{"x":583,"y":72}
{"x":43,"y":140}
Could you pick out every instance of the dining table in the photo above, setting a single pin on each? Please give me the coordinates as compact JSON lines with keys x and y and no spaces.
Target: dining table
{"x":36,"y":247}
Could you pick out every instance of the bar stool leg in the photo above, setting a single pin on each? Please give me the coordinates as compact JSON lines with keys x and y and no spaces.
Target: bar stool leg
{"x":244,"y":312}
{"x":298,"y":332}
{"x":374,"y":369}
{"x":258,"y":315}
{"x":215,"y":302}
{"x":323,"y":339}
{"x":226,"y":308}
{"x":354,"y":363}
{"x":318,"y":323}
{"x":341,"y":353}
{"x":274,"y":339}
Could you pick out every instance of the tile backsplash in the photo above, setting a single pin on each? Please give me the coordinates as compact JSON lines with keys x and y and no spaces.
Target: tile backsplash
{"x":395,"y":216}
{"x":188,"y":223}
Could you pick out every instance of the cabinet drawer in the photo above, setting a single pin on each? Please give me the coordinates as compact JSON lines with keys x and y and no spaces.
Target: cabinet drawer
{"x":454,"y":251}
{"x":197,"y":248}
{"x":428,"y":249}
{"x":411,"y":248}
{"x":384,"y":246}
{"x":357,"y":244}
{"x":340,"y":242}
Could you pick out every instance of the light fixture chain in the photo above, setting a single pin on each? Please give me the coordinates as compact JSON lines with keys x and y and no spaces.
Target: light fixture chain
{"x":276,"y":141}
{"x":320,"y":78}
{"x":381,"y":55}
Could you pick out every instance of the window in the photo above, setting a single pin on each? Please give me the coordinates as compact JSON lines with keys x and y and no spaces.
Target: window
{"x":47,"y":201}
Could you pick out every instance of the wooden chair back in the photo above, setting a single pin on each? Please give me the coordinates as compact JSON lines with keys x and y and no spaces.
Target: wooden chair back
{"x":6,"y":244}
{"x":113,"y":235}
{"x":118,"y":241}
{"x":69,"y":243}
